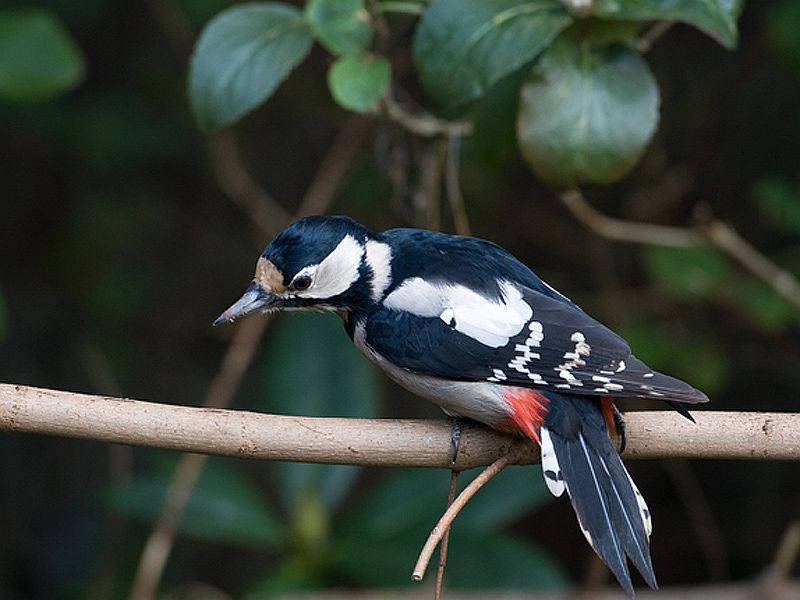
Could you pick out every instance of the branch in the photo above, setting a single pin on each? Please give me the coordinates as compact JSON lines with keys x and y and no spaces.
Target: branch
{"x":377,"y":442}
{"x":627,"y":231}
{"x":423,"y":125}
{"x":443,"y":526}
{"x":716,"y":232}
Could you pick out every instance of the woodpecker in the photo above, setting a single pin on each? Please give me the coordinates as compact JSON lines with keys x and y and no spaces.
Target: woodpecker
{"x":461,"y":322}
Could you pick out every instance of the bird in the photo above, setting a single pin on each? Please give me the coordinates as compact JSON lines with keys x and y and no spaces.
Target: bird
{"x":460,"y":321}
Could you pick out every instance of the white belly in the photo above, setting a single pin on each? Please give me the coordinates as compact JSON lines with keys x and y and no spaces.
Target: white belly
{"x":478,"y":400}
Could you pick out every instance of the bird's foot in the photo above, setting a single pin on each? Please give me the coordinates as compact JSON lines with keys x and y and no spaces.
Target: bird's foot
{"x":455,"y":438}
{"x":619,"y":423}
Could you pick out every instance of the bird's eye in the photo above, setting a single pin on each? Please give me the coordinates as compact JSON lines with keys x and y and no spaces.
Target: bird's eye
{"x":301,"y":283}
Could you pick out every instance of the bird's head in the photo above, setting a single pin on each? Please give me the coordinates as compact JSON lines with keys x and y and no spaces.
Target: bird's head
{"x":317,"y":263}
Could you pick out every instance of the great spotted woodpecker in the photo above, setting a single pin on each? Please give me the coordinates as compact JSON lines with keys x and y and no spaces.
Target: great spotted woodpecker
{"x":461,"y":322}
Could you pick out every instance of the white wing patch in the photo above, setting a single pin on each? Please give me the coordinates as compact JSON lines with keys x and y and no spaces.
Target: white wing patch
{"x":550,"y":467}
{"x":336,"y":273}
{"x":490,"y":322}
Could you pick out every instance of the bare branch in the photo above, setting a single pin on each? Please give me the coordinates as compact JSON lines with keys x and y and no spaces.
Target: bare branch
{"x":707,"y":230}
{"x":381,"y":442}
{"x":627,"y":231}
{"x":237,"y":183}
{"x":334,"y":165}
{"x":423,"y":125}
{"x":725,"y":237}
{"x":453,"y":181}
{"x":659,"y":28}
{"x":445,"y":543}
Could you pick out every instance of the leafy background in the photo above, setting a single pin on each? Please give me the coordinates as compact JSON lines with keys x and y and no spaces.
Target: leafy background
{"x":120,"y":247}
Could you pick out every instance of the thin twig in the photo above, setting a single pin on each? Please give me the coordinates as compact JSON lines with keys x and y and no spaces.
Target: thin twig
{"x":701,"y":516}
{"x":427,"y":195}
{"x":659,"y":28}
{"x":235,"y":180}
{"x":334,"y":165}
{"x":707,"y":230}
{"x":422,"y":124}
{"x":627,"y":231}
{"x":453,"y":183}
{"x":459,"y":503}
{"x":788,"y":550}
{"x":451,"y":496}
{"x":726,"y":238}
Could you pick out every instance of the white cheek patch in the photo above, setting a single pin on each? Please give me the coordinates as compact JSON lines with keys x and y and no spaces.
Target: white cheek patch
{"x":488,"y":321}
{"x":336,"y":273}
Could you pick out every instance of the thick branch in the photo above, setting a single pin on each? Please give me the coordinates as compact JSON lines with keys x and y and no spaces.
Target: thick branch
{"x":384,"y":442}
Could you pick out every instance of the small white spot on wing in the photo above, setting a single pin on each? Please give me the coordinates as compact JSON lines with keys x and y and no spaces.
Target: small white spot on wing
{"x":499,"y":374}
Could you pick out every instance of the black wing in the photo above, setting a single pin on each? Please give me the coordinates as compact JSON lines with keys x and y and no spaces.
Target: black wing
{"x":560,"y":347}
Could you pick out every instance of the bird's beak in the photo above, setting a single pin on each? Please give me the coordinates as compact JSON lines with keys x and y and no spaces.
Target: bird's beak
{"x":254,"y":298}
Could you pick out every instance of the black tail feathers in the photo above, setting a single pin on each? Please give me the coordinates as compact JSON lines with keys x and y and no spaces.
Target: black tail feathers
{"x":610,"y":509}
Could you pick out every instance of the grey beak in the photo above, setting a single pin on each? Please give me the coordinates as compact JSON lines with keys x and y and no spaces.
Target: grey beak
{"x":254,"y":298}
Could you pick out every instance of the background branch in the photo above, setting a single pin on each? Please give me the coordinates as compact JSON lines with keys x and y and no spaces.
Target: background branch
{"x":707,"y":230}
{"x":380,"y":442}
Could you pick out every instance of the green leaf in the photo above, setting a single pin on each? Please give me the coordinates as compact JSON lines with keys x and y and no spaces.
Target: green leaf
{"x":495,"y":120}
{"x":694,"y":356}
{"x":779,"y":200}
{"x":688,"y":273}
{"x":386,"y":530}
{"x":715,"y":17}
{"x":770,"y":310}
{"x":358,"y":82}
{"x":342,"y":26}
{"x":223,"y":506}
{"x":322,"y":376}
{"x":409,"y":502}
{"x":511,"y":494}
{"x":242,"y":56}
{"x":782,"y":25}
{"x":496,"y":561}
{"x":39,"y":60}
{"x":463,"y":47}
{"x":586,"y":112}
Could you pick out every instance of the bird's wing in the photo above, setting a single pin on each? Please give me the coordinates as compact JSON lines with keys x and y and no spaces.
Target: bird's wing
{"x":529,"y":340}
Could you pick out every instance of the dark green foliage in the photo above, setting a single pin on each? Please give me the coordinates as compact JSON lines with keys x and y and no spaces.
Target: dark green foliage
{"x":121,"y":245}
{"x":39,"y":60}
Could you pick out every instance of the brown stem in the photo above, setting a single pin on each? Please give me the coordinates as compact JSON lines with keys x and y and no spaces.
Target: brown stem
{"x":459,"y":503}
{"x":452,"y":178}
{"x":451,"y":495}
{"x":378,"y":442}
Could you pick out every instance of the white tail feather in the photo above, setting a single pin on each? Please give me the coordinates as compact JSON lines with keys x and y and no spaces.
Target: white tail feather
{"x":644,"y":512}
{"x":550,"y":467}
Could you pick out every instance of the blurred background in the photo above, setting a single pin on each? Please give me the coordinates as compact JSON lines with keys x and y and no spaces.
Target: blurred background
{"x":126,"y":231}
